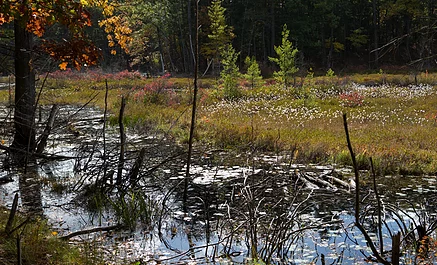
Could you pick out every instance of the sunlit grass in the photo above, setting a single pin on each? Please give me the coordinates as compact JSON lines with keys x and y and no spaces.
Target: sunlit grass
{"x":391,"y":118}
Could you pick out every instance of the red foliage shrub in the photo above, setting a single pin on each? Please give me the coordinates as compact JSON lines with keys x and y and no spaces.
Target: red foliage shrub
{"x":351,"y":99}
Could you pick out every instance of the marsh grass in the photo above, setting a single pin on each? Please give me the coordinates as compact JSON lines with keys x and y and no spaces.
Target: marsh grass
{"x":393,"y":119}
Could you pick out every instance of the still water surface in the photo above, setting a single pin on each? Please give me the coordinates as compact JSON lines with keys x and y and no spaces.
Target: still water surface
{"x":234,"y":205}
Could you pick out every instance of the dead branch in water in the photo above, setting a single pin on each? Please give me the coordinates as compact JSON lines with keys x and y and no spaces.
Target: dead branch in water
{"x":91,"y":230}
{"x":122,"y":141}
{"x":42,"y":143}
{"x":369,"y":241}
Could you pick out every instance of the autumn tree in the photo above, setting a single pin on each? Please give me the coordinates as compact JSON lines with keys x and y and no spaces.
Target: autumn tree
{"x":31,"y":18}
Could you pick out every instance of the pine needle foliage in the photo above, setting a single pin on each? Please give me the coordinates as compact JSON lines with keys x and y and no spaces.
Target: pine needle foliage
{"x":286,"y":60}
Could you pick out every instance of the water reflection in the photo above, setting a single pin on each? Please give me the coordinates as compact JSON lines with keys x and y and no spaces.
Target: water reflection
{"x":30,"y":191}
{"x":234,"y":212}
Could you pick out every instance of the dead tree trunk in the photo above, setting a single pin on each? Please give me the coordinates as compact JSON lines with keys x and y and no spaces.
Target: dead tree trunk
{"x":11,"y":218}
{"x":122,"y":142}
{"x":42,"y":143}
{"x":193,"y":110}
{"x":133,"y":174}
{"x":368,"y":239}
{"x":24,"y":138}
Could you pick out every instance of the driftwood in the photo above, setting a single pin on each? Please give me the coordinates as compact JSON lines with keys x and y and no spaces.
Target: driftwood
{"x":308,"y":184}
{"x":91,"y":230}
{"x":340,"y":182}
{"x":42,"y":143}
{"x":320,"y":182}
{"x":313,"y":181}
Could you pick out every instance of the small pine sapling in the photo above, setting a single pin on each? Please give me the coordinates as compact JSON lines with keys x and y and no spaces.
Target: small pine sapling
{"x":230,"y":73}
{"x":253,"y":74}
{"x":286,"y":60}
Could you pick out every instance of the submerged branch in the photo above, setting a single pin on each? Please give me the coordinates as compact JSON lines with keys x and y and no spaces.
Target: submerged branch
{"x":91,"y":230}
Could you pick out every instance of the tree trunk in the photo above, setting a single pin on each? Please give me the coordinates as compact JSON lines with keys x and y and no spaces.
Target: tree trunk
{"x":272,"y":28}
{"x":375,"y":10}
{"x":24,"y":138}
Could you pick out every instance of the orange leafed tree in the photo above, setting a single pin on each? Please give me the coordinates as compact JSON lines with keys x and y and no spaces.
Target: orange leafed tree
{"x":31,"y":18}
{"x":36,"y":15}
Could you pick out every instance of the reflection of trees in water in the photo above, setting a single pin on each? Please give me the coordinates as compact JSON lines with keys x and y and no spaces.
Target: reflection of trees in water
{"x":30,"y":191}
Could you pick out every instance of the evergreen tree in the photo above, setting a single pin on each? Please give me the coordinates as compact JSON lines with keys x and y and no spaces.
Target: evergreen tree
{"x":253,"y":74}
{"x":230,"y":73}
{"x":220,"y":35}
{"x":286,"y":60}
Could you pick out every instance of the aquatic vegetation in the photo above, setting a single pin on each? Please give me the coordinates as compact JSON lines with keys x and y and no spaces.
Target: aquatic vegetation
{"x":258,"y":213}
{"x":378,"y":112}
{"x":39,"y":244}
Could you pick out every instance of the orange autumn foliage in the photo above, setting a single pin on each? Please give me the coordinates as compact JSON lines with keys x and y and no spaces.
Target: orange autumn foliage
{"x":78,"y":50}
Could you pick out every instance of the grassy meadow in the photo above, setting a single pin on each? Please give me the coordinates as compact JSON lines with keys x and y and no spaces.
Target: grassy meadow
{"x":392,"y":118}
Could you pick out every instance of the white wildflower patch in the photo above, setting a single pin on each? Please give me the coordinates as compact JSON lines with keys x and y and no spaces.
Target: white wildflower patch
{"x":280,"y":106}
{"x":393,"y":91}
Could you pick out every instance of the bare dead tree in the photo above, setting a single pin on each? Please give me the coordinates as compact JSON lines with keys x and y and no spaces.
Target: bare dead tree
{"x":194,"y":108}
{"x":369,"y":241}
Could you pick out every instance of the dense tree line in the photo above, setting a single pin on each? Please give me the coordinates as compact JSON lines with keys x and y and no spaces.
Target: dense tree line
{"x":338,"y":34}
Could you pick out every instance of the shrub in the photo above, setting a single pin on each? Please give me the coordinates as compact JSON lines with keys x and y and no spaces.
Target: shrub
{"x":159,"y":91}
{"x":351,"y":99}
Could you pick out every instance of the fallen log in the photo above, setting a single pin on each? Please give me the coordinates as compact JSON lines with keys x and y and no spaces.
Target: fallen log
{"x":91,"y":230}
{"x":340,"y":182}
{"x":308,"y":184}
{"x":323,"y":183}
{"x":312,"y":180}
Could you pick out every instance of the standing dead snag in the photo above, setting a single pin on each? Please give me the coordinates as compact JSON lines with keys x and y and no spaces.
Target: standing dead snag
{"x":122,"y":141}
{"x":135,"y":170}
{"x":357,"y":198}
{"x":42,"y":143}
{"x":11,"y":218}
{"x":194,"y":108}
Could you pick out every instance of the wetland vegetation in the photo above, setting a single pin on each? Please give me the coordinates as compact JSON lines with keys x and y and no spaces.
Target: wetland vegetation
{"x":393,"y":116}
{"x":268,"y":143}
{"x":278,"y":154}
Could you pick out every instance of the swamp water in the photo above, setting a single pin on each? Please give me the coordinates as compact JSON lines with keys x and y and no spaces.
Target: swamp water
{"x":238,"y":206}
